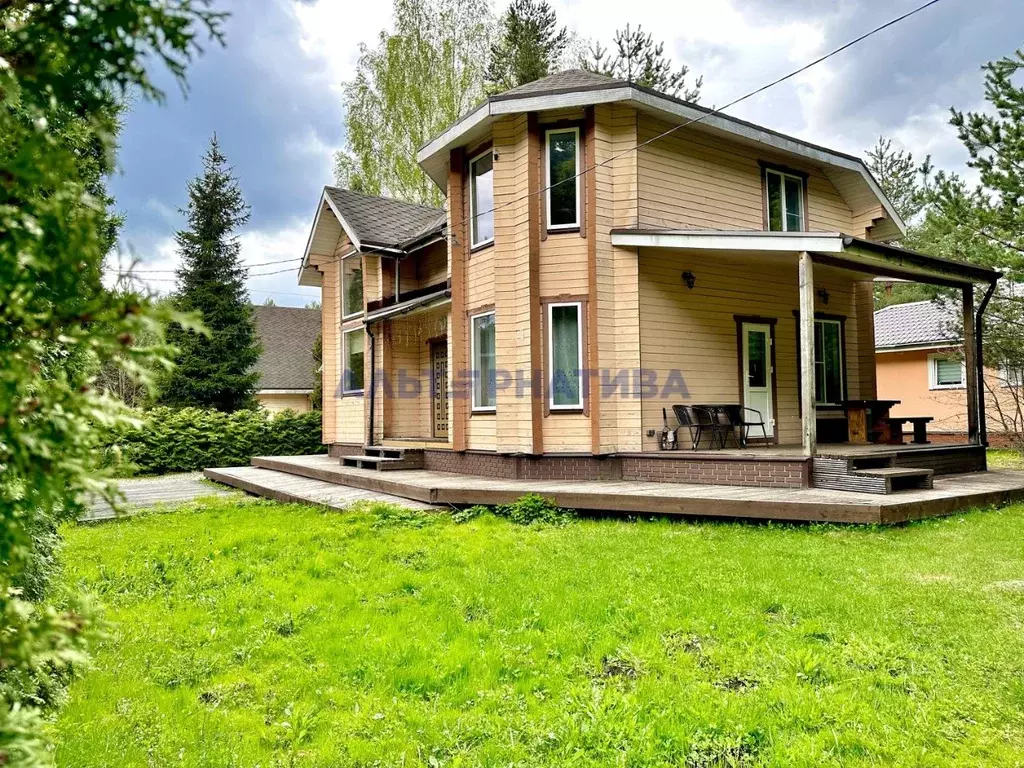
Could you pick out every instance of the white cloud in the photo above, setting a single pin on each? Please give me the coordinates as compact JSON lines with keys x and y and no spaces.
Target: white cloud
{"x":278,"y":281}
{"x":333,"y":29}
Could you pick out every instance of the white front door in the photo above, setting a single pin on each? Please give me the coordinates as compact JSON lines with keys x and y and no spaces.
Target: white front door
{"x":757,"y":373}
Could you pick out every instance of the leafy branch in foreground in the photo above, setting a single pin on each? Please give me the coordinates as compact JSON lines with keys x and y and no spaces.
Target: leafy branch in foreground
{"x":64,"y":66}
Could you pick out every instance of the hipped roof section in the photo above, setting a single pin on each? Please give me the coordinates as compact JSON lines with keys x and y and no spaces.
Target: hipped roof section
{"x":577,"y":88}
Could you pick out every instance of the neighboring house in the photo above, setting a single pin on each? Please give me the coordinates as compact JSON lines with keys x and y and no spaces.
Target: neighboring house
{"x":605,"y":252}
{"x":286,"y":365}
{"x":919,"y":361}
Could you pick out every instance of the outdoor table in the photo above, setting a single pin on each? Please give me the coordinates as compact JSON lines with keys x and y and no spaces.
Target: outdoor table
{"x":865,"y":417}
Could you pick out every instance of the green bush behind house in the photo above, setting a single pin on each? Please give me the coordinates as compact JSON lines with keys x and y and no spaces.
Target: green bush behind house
{"x":188,"y":439}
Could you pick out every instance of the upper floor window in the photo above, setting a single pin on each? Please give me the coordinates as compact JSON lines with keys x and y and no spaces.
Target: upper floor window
{"x":945,"y":372}
{"x":352,"y":285}
{"x":481,"y":199}
{"x":785,"y":201}
{"x":563,"y":193}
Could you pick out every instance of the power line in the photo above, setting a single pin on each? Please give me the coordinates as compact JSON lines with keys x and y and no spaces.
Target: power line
{"x":258,"y":264}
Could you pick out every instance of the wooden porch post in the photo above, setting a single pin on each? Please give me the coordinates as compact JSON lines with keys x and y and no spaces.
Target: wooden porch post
{"x":807,"y":411}
{"x":971,"y":366}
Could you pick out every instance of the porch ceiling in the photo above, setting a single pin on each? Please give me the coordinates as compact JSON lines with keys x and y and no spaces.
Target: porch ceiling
{"x":832,"y":248}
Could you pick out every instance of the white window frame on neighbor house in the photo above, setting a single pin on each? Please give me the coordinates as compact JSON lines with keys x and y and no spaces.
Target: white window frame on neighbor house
{"x":577,"y":406}
{"x":477,"y":381}
{"x":472,"y":201}
{"x":344,"y":289}
{"x":933,"y":372}
{"x":547,"y":171}
{"x":782,"y":198}
{"x":344,"y":361}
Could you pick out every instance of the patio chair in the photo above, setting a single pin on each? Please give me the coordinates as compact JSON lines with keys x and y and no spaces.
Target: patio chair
{"x":748,"y":418}
{"x":697,"y":422}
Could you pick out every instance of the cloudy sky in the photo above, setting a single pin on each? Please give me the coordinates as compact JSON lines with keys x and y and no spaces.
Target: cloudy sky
{"x":273,"y":96}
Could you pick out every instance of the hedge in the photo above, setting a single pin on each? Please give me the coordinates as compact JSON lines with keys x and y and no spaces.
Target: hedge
{"x":188,"y":439}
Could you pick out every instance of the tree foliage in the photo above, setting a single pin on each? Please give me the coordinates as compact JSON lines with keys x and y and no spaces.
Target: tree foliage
{"x":414,"y":83}
{"x":528,"y":45}
{"x":898,"y":175}
{"x":64,"y":65}
{"x":637,"y":58}
{"x":214,"y":371}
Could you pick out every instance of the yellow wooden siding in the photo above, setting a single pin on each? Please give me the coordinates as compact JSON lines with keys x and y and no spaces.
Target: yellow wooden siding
{"x":690,"y":179}
{"x":330,"y":325}
{"x":275,"y":403}
{"x":694,"y":331}
{"x":406,"y":396}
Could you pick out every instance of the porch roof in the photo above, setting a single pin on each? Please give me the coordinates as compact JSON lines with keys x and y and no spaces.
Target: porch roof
{"x":835,"y":248}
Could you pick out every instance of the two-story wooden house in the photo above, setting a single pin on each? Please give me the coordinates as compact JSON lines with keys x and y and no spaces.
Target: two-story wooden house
{"x":608,"y":252}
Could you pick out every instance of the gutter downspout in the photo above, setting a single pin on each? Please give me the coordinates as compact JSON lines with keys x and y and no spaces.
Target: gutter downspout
{"x":373,"y":378}
{"x":979,"y":362}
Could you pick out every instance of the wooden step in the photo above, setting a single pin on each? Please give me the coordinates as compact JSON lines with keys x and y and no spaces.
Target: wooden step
{"x":867,"y":474}
{"x":384,"y":458}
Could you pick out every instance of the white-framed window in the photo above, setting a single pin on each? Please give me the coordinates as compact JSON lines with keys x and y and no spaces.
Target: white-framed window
{"x":482,"y":353}
{"x":351,"y":285}
{"x":481,"y":199}
{"x":353,"y":354}
{"x":562,"y":198}
{"x":565,"y":355}
{"x":785,"y":201}
{"x":946,"y":372}
{"x":828,"y":362}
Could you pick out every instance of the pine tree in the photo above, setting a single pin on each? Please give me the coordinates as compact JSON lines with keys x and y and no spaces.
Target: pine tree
{"x":214,"y":371}
{"x":638,"y":59}
{"x":899,"y":177}
{"x":528,"y":46}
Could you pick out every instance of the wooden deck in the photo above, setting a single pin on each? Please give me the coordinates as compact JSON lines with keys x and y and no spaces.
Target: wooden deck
{"x":949,"y":494}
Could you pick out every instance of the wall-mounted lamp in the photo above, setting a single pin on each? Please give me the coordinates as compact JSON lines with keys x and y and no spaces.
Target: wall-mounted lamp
{"x":824,"y":295}
{"x":690,"y":279}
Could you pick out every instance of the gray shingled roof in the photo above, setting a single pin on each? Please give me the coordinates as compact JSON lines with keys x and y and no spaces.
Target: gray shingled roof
{"x":382,"y":221}
{"x":567,"y":80}
{"x":919,"y":323}
{"x":287,"y":335}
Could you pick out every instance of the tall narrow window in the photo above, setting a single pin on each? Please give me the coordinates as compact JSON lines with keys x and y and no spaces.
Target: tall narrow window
{"x":563,"y":193}
{"x":352,"y":285}
{"x":354,"y":350}
{"x":828,"y":362}
{"x":565,"y":352}
{"x":484,"y":377}
{"x":481,"y":199}
{"x":785,"y":201}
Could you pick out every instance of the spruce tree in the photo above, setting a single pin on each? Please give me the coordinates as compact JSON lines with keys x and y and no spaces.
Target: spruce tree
{"x":214,"y":371}
{"x":528,"y":46}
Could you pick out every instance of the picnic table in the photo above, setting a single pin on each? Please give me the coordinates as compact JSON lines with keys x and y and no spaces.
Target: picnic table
{"x":868,"y":420}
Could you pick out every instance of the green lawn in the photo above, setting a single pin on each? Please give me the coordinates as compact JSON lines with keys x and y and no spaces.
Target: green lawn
{"x":250,"y":633}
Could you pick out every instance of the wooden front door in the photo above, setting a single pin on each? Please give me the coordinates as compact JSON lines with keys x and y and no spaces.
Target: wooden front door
{"x":439,"y":388}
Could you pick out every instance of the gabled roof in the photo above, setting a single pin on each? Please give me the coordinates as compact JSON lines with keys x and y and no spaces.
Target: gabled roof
{"x":287,"y":335}
{"x":917,"y":324}
{"x":577,"y":88}
{"x":381,"y":221}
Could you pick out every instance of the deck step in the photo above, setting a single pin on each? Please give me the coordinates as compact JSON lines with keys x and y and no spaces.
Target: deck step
{"x":867,"y":475}
{"x":383,"y":458}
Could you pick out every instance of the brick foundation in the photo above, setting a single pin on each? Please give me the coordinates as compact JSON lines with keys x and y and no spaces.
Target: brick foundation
{"x":770,"y":472}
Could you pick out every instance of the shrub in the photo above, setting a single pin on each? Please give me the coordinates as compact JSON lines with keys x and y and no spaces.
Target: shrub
{"x":534,"y":508}
{"x":169,"y":440}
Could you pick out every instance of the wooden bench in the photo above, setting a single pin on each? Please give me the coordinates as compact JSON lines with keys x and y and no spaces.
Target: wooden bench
{"x":920,"y":428}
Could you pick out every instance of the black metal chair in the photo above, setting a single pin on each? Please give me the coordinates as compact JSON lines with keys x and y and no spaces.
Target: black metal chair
{"x":750,"y":418}
{"x":697,"y":422}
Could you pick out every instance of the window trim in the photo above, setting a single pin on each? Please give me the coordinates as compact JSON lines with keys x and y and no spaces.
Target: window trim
{"x":783,"y":173}
{"x":472,"y":199}
{"x":550,"y":378}
{"x":933,"y":372}
{"x":344,"y":293}
{"x":842,"y":360}
{"x":575,"y":225}
{"x":344,"y":361}
{"x":474,"y":408}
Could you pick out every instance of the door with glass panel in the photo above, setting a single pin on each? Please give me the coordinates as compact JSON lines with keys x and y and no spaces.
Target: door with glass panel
{"x":757,"y":371}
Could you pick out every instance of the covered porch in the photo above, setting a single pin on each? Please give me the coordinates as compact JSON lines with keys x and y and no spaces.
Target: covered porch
{"x":782,"y":323}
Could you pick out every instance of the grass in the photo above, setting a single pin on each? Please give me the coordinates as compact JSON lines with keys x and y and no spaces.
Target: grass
{"x":246,"y":633}
{"x":1005,"y":458}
